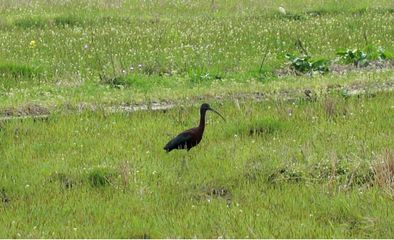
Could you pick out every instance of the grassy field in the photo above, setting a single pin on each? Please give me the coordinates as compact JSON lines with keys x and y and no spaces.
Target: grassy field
{"x":53,"y":53}
{"x":290,"y":166}
{"x":273,"y":169}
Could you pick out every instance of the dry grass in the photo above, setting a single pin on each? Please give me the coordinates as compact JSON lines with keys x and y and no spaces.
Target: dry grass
{"x":383,"y":168}
{"x":330,"y":108}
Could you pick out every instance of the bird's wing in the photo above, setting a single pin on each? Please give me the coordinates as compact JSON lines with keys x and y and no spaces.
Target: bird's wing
{"x":181,"y":139}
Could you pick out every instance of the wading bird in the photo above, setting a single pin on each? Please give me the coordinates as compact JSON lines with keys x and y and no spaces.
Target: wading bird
{"x":193,"y":136}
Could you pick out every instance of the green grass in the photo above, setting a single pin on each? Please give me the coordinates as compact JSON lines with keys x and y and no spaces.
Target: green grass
{"x":299,"y":168}
{"x":70,"y":92}
{"x":172,"y":43}
{"x":280,"y":169}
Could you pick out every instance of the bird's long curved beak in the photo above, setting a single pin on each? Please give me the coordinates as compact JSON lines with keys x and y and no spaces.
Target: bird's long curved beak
{"x":213,"y":110}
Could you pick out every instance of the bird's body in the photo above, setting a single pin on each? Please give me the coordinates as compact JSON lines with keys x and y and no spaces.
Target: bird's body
{"x":185,"y":140}
{"x":190,"y":137}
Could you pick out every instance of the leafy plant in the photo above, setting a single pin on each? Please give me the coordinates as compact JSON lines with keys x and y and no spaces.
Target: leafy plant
{"x":305,"y":64}
{"x":355,"y":56}
{"x":362,"y":58}
{"x":384,"y":54}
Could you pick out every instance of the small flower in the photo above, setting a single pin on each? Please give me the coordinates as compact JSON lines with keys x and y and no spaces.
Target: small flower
{"x":33,"y":44}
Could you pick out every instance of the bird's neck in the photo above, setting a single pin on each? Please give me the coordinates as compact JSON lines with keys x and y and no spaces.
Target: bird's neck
{"x":202,"y":120}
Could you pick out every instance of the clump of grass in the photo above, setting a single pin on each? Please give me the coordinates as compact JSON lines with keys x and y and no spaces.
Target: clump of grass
{"x":125,"y":174}
{"x":264,"y":73}
{"x":334,"y":107}
{"x":198,"y":76}
{"x":3,"y":196}
{"x":31,"y":22}
{"x":66,"y":21}
{"x":383,"y":169}
{"x":261,"y":127}
{"x":137,"y":81}
{"x":15,"y":70}
{"x":155,"y":69}
{"x":41,"y":22}
{"x":265,"y":126}
{"x":140,"y":236}
{"x":286,"y":174}
{"x":253,"y":170}
{"x":65,"y":181}
{"x":100,"y":177}
{"x":320,"y":12}
{"x":330,"y":108}
{"x":340,"y":174}
{"x":290,"y":16}
{"x":215,"y":192}
{"x":119,"y":81}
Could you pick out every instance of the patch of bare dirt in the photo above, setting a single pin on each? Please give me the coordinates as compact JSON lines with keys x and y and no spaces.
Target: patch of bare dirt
{"x":372,"y":66}
{"x":42,"y":112}
{"x":28,"y":110}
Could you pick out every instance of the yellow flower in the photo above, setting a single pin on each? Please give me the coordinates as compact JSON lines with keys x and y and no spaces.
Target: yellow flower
{"x":33,"y":44}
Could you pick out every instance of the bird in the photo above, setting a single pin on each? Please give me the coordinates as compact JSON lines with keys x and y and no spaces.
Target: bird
{"x":191,"y":137}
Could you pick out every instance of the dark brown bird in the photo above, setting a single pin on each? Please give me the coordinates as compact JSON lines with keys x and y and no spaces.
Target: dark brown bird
{"x":193,"y":136}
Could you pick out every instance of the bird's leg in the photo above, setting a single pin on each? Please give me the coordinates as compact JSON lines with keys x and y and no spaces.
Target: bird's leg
{"x":185,"y":165}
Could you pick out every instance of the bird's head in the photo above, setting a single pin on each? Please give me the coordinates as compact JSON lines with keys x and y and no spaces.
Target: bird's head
{"x":205,"y":107}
